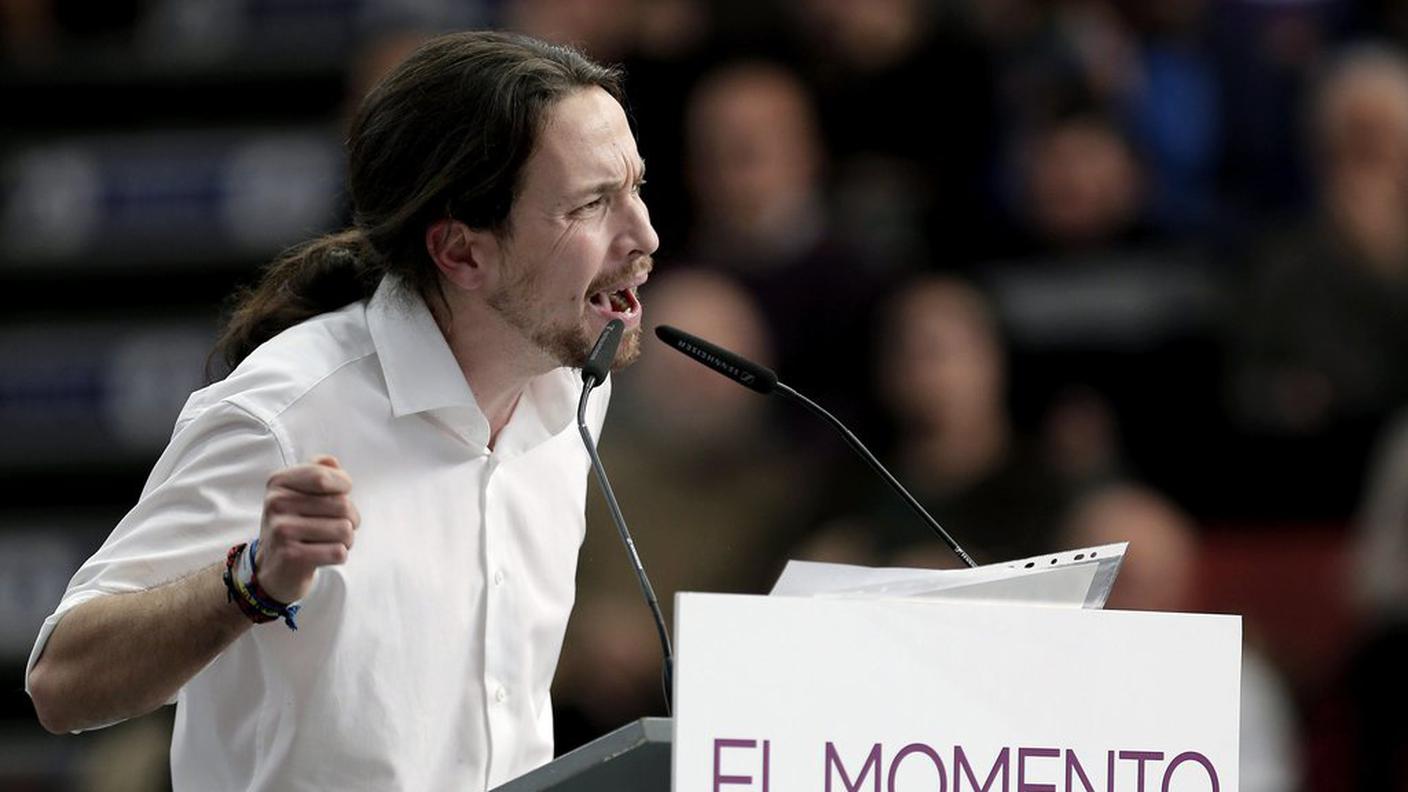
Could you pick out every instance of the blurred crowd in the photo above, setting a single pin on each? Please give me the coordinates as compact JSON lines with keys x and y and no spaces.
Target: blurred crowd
{"x":1079,"y":271}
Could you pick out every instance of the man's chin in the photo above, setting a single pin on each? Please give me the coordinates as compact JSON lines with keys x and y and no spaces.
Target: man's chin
{"x":626,"y":353}
{"x":629,"y":350}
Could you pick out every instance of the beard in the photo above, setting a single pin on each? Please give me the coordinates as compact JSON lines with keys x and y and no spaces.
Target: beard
{"x":568,"y":343}
{"x":629,"y":350}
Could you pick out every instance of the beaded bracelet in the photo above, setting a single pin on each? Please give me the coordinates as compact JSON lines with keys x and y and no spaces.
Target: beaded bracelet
{"x":253,"y":601}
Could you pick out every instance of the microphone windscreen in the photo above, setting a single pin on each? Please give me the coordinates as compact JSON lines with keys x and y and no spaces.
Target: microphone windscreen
{"x":739,"y":369}
{"x":604,"y":353}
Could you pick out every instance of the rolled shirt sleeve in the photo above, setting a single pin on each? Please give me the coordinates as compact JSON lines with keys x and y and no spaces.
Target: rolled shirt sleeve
{"x":204,"y":495}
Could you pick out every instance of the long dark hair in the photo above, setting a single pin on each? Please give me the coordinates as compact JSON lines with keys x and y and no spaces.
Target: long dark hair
{"x":445,"y":134}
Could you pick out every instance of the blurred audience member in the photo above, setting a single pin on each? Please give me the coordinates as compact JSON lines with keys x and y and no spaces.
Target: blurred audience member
{"x":1376,"y":673}
{"x":905,"y":101}
{"x":755,"y":162}
{"x":1083,"y":182}
{"x":1361,"y":126}
{"x":1147,"y":64}
{"x":1324,"y":339}
{"x":1174,"y":110}
{"x":1051,"y":57}
{"x":1049,"y":60}
{"x":1159,"y":573}
{"x":1112,"y":322}
{"x":1266,"y":53}
{"x":943,"y":379}
{"x":710,"y":497}
{"x":1081,"y":188}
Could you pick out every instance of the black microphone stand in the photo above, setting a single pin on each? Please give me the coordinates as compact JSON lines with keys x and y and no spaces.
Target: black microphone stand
{"x":593,"y":374}
{"x":764,"y":380}
{"x":856,"y":445}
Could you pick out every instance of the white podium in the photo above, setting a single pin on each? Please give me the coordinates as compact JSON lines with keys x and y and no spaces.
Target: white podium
{"x":836,"y":695}
{"x":794,"y":694}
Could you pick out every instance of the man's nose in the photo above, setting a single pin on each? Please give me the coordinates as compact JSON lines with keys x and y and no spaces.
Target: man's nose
{"x":640,"y":234}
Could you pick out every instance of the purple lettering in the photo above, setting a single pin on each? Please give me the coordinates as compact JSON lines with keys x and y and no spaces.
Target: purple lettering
{"x":1035,"y":753}
{"x":1073,"y":764}
{"x":1141,"y":757}
{"x":719,"y":745}
{"x":960,"y":762}
{"x":1191,"y":756}
{"x":872,"y":762}
{"x":917,"y":748}
{"x":767,"y":772}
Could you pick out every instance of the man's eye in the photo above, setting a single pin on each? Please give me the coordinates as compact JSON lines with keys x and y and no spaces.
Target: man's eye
{"x":589,"y":205}
{"x":636,"y":187}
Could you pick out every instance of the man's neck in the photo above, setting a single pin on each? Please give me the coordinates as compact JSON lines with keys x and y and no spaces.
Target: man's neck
{"x":496,"y":360}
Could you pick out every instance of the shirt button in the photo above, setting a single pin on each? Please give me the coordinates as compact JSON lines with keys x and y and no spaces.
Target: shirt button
{"x":501,"y":695}
{"x":499,"y":578}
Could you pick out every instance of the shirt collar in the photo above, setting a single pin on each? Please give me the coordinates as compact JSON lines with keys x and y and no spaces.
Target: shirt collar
{"x":555,"y":396}
{"x":421,"y":372}
{"x":422,"y":375}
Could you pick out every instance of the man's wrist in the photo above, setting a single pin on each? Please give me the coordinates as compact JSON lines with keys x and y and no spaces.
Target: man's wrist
{"x":241,"y":578}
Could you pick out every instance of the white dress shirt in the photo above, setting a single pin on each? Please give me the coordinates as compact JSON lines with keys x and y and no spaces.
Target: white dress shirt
{"x":424,"y":662}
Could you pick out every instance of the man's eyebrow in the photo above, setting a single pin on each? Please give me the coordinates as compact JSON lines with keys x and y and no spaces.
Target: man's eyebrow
{"x":607,"y":185}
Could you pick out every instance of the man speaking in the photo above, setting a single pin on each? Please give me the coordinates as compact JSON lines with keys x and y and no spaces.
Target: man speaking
{"x":353,"y":565}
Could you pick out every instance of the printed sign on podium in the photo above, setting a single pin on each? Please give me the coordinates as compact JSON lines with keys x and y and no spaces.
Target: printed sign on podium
{"x":781,"y":694}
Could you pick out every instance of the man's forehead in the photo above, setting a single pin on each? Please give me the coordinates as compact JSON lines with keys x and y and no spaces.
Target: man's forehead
{"x":587,"y":139}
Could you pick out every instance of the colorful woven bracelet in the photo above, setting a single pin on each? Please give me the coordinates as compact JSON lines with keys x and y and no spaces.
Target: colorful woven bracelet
{"x":253,"y":601}
{"x":262,"y":597}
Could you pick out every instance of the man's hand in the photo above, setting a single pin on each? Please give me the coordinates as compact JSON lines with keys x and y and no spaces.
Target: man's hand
{"x":309,"y":521}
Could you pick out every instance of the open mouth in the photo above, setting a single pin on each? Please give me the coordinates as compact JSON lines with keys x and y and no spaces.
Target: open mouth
{"x":619,"y":301}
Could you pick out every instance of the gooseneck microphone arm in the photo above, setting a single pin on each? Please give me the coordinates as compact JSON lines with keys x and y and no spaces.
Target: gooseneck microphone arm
{"x":763,"y":380}
{"x":593,"y":374}
{"x":859,"y":447}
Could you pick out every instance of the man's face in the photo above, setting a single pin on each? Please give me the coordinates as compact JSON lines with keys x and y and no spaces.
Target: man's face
{"x":579,"y":237}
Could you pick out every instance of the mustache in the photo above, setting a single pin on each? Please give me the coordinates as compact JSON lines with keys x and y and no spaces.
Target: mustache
{"x":641,"y":265}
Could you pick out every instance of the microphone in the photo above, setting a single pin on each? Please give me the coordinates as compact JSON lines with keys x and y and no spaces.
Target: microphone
{"x":603,"y":354}
{"x":593,"y":374}
{"x":763,"y":380}
{"x":741,"y":370}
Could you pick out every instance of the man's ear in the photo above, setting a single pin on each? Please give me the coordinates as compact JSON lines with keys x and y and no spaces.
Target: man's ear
{"x":463,"y":256}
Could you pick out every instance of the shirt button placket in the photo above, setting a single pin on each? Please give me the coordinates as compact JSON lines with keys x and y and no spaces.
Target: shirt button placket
{"x":494,"y":691}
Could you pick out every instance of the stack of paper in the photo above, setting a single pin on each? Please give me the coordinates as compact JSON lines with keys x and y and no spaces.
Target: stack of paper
{"x":1070,"y":579}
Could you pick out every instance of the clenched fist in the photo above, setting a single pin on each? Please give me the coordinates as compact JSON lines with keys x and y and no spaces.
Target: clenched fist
{"x":309,"y":521}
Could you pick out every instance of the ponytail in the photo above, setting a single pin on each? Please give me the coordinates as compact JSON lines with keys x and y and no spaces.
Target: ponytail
{"x":315,"y":277}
